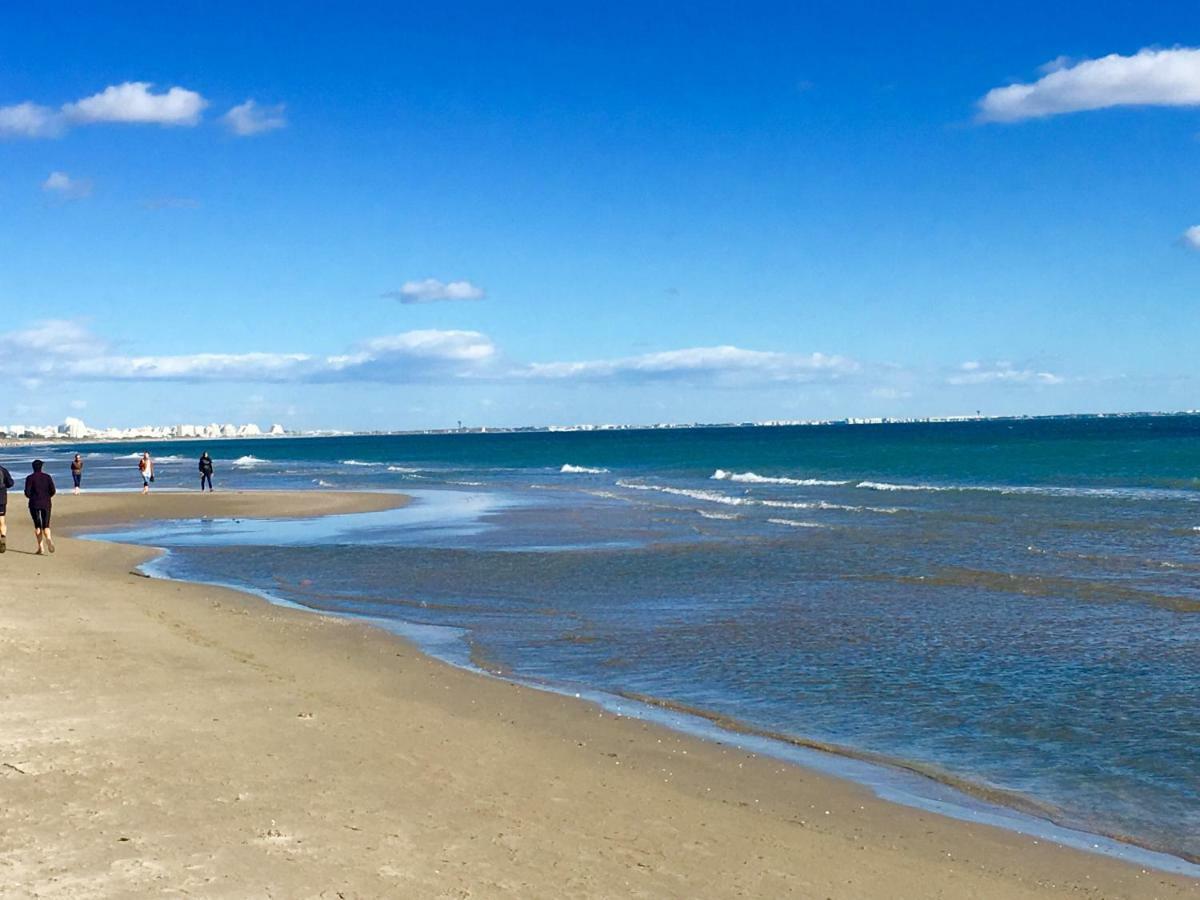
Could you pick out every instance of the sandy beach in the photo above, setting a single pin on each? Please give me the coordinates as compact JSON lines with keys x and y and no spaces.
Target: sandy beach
{"x":163,"y":739}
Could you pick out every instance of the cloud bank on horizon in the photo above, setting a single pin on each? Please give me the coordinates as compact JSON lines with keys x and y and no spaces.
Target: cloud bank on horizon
{"x":66,"y":350}
{"x":1150,"y":77}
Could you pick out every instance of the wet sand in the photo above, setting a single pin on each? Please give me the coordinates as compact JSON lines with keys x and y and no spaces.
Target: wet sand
{"x":160,"y":738}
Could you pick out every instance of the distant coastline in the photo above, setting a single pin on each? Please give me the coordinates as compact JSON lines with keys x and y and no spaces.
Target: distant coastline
{"x":164,"y":434}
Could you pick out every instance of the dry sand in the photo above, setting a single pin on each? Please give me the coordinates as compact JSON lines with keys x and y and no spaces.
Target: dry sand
{"x":162,"y":739}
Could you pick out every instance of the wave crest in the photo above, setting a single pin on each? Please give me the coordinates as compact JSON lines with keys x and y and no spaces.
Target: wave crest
{"x":754,"y":478}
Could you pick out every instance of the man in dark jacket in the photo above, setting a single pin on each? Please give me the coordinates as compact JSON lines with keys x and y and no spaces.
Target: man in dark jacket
{"x":39,"y":488}
{"x":206,"y":470}
{"x":6,"y":481}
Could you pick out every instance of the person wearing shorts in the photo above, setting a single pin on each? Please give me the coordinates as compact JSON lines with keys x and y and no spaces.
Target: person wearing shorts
{"x":39,"y":488}
{"x":6,"y":481}
{"x":146,"y":468}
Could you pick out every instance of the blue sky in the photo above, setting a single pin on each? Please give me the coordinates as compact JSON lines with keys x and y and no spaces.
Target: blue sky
{"x":401,"y":216}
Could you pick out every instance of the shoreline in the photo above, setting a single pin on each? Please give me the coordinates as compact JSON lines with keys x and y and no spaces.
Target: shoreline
{"x":907,"y":782}
{"x":910,"y":784}
{"x":800,"y":849}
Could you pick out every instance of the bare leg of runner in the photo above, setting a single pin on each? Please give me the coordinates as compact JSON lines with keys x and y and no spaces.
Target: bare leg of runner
{"x":3,"y":535}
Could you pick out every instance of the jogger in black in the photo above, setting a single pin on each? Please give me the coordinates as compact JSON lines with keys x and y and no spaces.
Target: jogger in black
{"x":39,"y":488}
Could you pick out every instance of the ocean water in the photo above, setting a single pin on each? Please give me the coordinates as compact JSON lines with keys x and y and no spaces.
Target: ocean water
{"x":1009,"y":607}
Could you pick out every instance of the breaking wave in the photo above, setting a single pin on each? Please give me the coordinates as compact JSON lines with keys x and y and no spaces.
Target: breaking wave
{"x":728,"y":500}
{"x":753,"y":478}
{"x":247,"y":462}
{"x":569,"y":469}
{"x":1116,"y":493}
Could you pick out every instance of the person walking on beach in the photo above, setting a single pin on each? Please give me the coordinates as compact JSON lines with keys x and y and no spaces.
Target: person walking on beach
{"x":146,"y":467}
{"x":39,"y":488}
{"x":206,"y":470}
{"x":77,"y":471}
{"x":6,"y":481}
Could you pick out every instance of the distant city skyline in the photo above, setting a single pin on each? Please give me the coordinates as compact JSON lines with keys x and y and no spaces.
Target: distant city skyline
{"x":396,"y":218}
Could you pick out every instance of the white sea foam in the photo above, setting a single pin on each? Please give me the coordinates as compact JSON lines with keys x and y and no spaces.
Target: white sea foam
{"x":467,"y":483}
{"x":753,"y":478}
{"x":403,"y":469}
{"x":247,"y":462}
{"x":717,"y":515}
{"x":569,"y":469}
{"x":887,"y":486}
{"x":795,"y":523}
{"x":321,"y":483}
{"x":728,"y":500}
{"x":355,"y":462}
{"x":1117,"y":493}
{"x":709,"y":496}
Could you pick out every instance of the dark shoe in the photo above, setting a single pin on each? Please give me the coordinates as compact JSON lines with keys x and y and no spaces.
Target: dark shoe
{"x":3,"y":544}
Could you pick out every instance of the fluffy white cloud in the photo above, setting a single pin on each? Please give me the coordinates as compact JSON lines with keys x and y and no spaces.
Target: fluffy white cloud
{"x":64,"y":186}
{"x":1191,"y":237}
{"x":132,"y":102}
{"x":249,"y":118}
{"x":29,"y":120}
{"x":725,"y":363}
{"x":1000,"y":373}
{"x":1148,"y":78}
{"x":433,"y":291}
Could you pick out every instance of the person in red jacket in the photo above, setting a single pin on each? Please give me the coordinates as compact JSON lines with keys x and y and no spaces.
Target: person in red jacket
{"x":39,"y":488}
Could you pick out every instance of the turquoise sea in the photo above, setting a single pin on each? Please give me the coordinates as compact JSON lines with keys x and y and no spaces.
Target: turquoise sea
{"x":1011,"y":607}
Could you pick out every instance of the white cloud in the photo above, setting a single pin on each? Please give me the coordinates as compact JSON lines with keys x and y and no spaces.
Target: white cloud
{"x":29,"y":120}
{"x":191,"y":367}
{"x":724,"y":363}
{"x":64,"y":186}
{"x":432,"y":291}
{"x":1001,"y":373}
{"x":249,"y":118}
{"x":131,"y":102}
{"x":460,"y":345}
{"x":52,"y":338}
{"x":1148,"y":78}
{"x":134,"y":102}
{"x":1191,"y":237}
{"x":67,"y":349}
